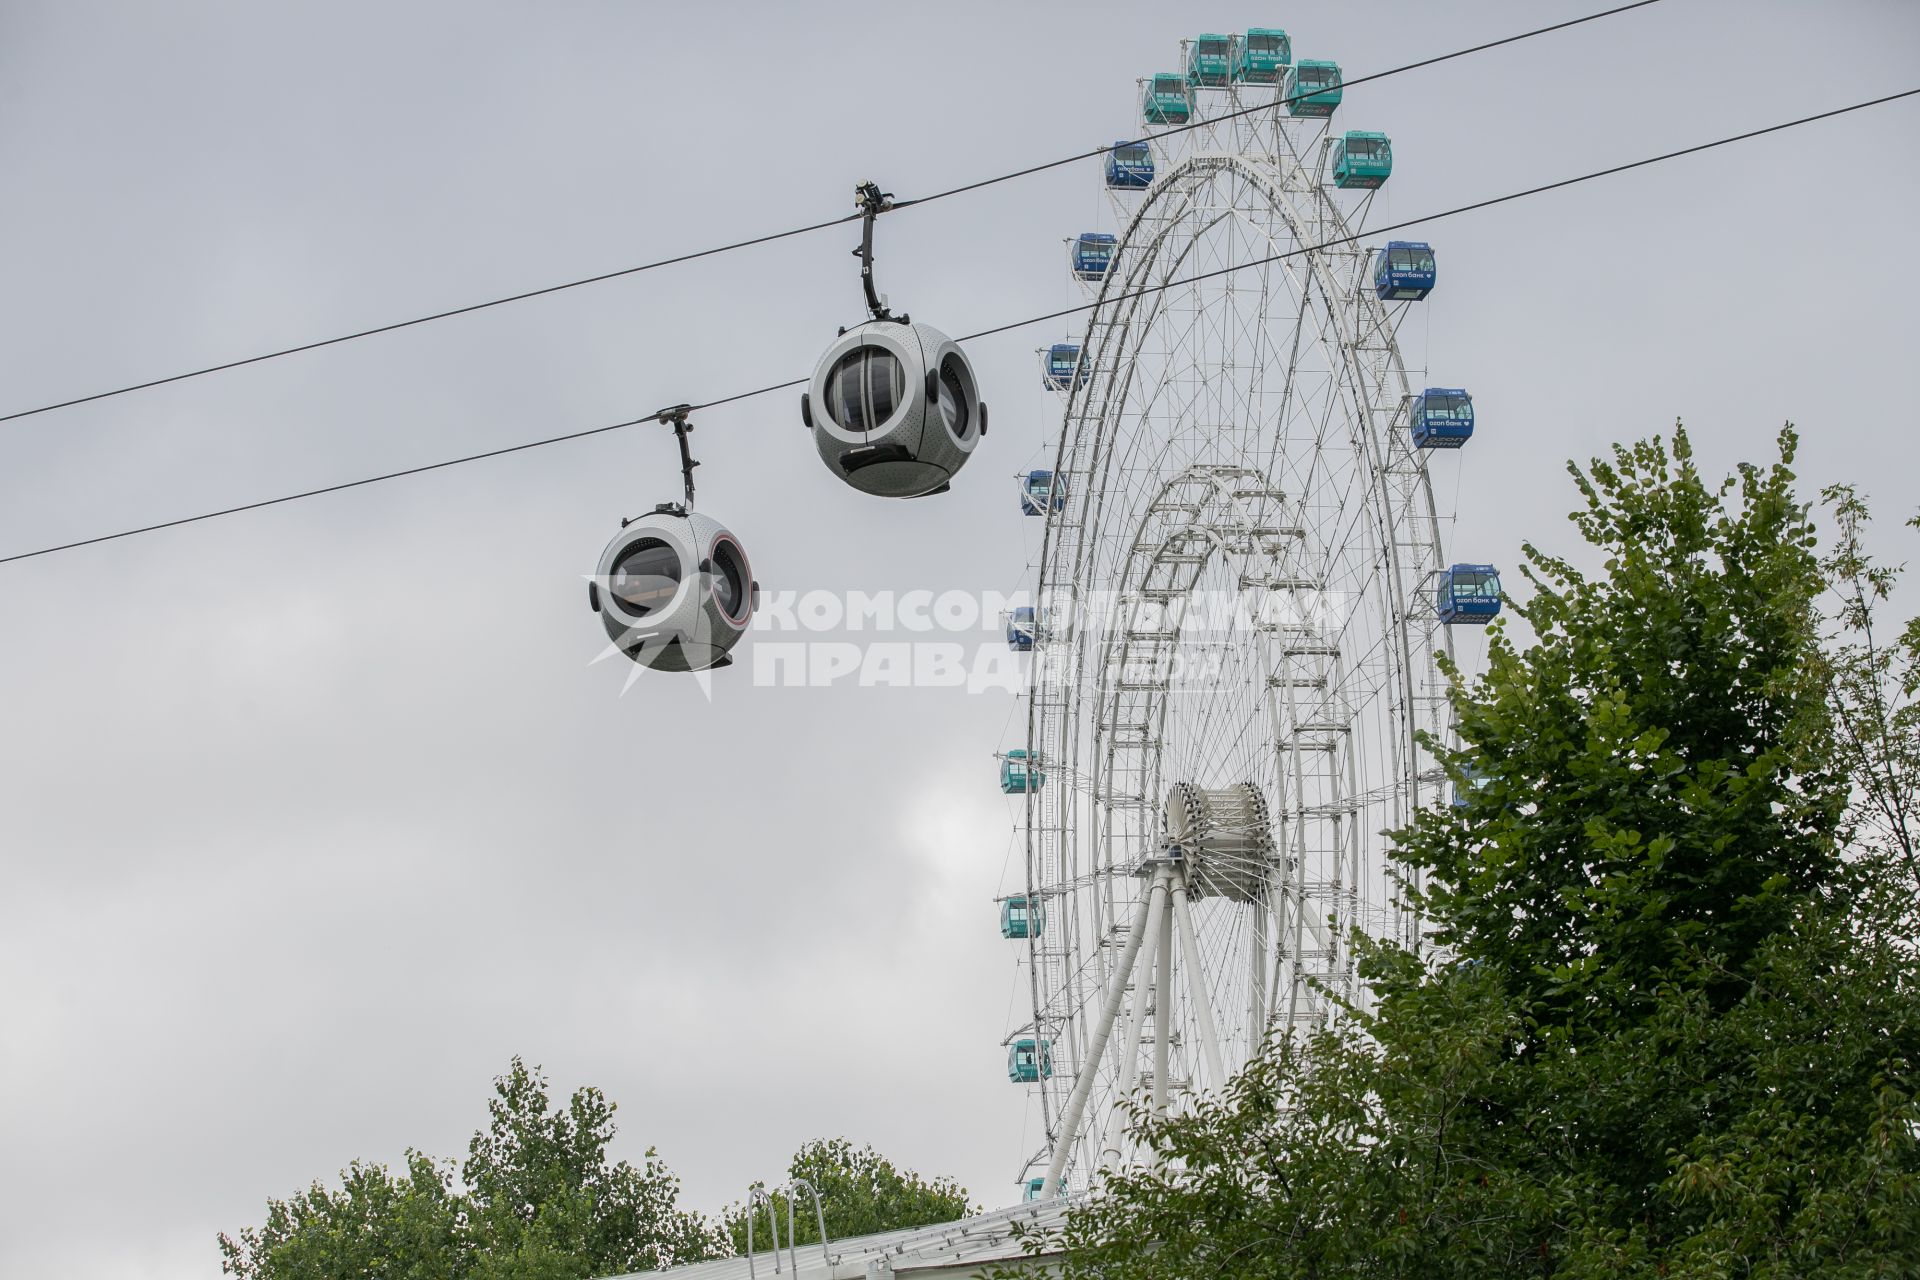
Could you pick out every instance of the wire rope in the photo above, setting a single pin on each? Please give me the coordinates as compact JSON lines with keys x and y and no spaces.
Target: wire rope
{"x":983,"y":333}
{"x":770,"y":237}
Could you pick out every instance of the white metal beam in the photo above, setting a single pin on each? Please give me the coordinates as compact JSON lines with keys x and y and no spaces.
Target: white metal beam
{"x":1145,"y":920}
{"x":1197,"y":983}
{"x":1162,"y":1001}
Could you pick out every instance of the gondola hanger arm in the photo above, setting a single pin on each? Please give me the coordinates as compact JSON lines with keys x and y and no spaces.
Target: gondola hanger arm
{"x":677,"y":418}
{"x":872,"y":202}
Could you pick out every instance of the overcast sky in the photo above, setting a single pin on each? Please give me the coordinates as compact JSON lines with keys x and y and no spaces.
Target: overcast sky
{"x":310,"y":818}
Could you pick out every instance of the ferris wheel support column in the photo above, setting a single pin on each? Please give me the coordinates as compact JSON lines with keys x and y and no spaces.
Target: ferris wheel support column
{"x":1162,"y":1002}
{"x":1146,"y":919}
{"x":1197,"y":983}
{"x":1110,"y":1151}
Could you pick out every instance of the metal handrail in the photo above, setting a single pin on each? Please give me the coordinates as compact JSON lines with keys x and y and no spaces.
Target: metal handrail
{"x":755,"y":1194}
{"x":818,"y":1216}
{"x":758,"y":1194}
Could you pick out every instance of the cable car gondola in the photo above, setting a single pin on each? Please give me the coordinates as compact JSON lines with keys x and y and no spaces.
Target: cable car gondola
{"x":893,"y":406}
{"x":674,"y":589}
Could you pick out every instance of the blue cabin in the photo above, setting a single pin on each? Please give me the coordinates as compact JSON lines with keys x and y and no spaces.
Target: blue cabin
{"x":1036,"y":1187}
{"x":1060,"y":367}
{"x":1362,"y":161}
{"x":1022,"y":918}
{"x":1023,"y":628}
{"x":1442,"y":418}
{"x":1129,"y":166}
{"x":1093,"y":254}
{"x":1020,"y":774}
{"x":1469,"y":593}
{"x":1210,"y":60}
{"x":1168,"y":100}
{"x":1313,"y":88}
{"x":1028,"y":1062}
{"x":1040,"y":493}
{"x":1404,"y":271}
{"x":1471,"y":781}
{"x":1262,"y":56}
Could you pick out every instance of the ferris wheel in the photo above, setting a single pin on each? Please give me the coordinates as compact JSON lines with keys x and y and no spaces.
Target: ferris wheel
{"x":1240,"y":605}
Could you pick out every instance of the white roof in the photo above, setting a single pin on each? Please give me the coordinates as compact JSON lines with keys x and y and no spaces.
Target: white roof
{"x":926,"y":1253}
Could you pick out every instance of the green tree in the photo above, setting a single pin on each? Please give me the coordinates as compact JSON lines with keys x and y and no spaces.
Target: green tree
{"x":861,"y":1192}
{"x":1661,"y":1043}
{"x":410,"y":1226}
{"x":542,"y":1189}
{"x":1874,"y":679}
{"x":538,"y":1200}
{"x":1655,"y":766}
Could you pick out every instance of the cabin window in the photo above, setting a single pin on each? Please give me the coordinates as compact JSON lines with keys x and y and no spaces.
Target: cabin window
{"x":729,"y":583}
{"x":1471,"y":585}
{"x":953,"y":398}
{"x":646,"y":577}
{"x":864,"y":388}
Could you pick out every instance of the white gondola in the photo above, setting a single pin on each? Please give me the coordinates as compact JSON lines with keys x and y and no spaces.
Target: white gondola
{"x":674,"y":590}
{"x":894,"y":409}
{"x":893,"y":406}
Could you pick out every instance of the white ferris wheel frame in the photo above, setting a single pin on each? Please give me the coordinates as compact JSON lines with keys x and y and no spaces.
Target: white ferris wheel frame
{"x":1107,"y":994}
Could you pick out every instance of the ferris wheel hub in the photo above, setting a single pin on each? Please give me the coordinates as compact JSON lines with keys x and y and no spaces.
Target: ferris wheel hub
{"x":1224,"y":837}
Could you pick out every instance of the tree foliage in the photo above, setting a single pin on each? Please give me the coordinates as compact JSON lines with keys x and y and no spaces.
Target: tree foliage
{"x":1657,"y":1039}
{"x":861,"y":1192}
{"x":1874,"y":679}
{"x":537,"y":1199}
{"x":407,"y":1226}
{"x":1652,"y":770}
